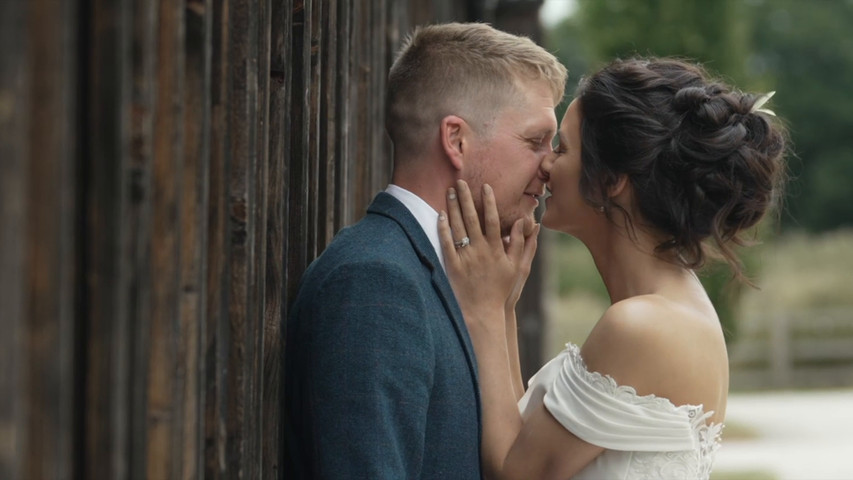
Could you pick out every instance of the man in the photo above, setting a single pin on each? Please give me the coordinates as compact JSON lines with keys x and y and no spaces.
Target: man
{"x":380,"y":378}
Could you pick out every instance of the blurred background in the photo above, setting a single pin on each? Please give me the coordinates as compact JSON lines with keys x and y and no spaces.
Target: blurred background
{"x":791,"y":339}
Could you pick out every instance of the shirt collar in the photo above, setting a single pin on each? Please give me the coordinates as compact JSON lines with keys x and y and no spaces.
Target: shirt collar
{"x":426,"y":216}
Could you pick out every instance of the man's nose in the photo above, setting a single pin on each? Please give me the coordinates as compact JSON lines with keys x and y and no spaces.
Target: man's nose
{"x":545,"y":168}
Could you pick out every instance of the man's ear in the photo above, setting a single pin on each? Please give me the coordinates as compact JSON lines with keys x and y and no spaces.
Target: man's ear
{"x":454,"y":138}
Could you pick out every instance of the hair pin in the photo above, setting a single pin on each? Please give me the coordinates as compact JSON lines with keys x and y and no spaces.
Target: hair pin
{"x":756,"y":107}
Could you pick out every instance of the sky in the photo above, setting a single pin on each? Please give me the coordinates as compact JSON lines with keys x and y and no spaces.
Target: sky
{"x":552,"y":11}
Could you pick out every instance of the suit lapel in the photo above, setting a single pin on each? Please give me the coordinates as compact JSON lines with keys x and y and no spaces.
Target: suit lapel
{"x":385,"y":204}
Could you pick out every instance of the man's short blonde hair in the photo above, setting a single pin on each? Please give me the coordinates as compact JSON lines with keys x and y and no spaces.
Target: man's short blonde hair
{"x":466,"y":69}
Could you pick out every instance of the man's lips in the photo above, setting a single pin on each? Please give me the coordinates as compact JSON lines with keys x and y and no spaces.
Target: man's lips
{"x":534,"y":196}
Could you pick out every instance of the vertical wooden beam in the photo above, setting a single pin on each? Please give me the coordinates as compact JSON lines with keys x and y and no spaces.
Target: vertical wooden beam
{"x":139,"y":224}
{"x":193,"y":243}
{"x":380,"y":148}
{"x":360,"y":78}
{"x":327,"y":121}
{"x":343,"y":153}
{"x":241,"y":419}
{"x":105,"y":153}
{"x":313,"y":16}
{"x":48,"y":333}
{"x":14,"y":178}
{"x":276,"y":230}
{"x":297,"y":159}
{"x":166,"y":372}
{"x":216,"y":339}
{"x":259,"y":217}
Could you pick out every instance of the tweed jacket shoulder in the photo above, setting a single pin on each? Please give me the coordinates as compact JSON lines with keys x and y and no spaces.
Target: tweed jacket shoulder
{"x":380,"y":375}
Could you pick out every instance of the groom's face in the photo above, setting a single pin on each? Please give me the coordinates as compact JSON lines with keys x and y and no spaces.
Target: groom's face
{"x":509,"y":156}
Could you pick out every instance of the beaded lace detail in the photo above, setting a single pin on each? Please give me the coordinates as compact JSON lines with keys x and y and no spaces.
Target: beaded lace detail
{"x":685,"y":464}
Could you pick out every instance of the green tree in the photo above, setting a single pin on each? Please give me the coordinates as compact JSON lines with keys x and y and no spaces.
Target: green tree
{"x":806,"y":48}
{"x":713,"y":32}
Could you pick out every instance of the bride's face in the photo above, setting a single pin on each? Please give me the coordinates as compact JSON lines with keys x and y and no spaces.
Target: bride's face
{"x":565,"y":209}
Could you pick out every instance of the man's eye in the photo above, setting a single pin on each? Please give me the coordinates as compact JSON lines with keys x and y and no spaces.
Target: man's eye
{"x":538,"y":143}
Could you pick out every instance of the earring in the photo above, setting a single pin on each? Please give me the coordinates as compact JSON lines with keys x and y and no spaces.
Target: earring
{"x":601,"y":209}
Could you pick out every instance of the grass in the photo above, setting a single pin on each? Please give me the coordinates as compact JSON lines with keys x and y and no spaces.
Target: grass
{"x":795,"y":271}
{"x":744,"y":475}
{"x":735,"y":431}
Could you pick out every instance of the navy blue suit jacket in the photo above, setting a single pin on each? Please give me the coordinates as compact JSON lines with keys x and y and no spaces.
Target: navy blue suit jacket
{"x":380,"y":374}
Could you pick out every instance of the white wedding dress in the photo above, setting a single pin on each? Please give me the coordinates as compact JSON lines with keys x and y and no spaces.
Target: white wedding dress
{"x":645,"y":437}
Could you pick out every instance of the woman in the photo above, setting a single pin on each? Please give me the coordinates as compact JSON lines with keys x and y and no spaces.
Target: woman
{"x":657,"y":167}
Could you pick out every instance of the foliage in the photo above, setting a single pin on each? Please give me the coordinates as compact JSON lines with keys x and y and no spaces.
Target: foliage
{"x":802,"y":49}
{"x":713,"y":32}
{"x":806,"y":50}
{"x":567,"y":44}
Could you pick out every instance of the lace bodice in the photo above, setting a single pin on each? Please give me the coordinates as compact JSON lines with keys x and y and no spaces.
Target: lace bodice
{"x":646,"y":437}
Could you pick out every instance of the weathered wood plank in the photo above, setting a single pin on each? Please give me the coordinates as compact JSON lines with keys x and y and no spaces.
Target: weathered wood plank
{"x":241,"y":418}
{"x":276,"y":229}
{"x":166,"y":371}
{"x":50,"y":189}
{"x":193,"y":245}
{"x":161,"y":226}
{"x":360,"y":65}
{"x":105,"y":265}
{"x":296,"y":162}
{"x":139,"y":224}
{"x":259,"y":214}
{"x":343,"y":158}
{"x":216,"y":338}
{"x":327,"y":173}
{"x":313,"y":79}
{"x":14,"y":178}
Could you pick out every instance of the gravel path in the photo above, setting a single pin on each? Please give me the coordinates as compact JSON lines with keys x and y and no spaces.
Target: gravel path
{"x":802,"y":435}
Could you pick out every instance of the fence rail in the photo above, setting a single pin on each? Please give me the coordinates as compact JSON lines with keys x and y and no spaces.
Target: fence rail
{"x":807,"y":348}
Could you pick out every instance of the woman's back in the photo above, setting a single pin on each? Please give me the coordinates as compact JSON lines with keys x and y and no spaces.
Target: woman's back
{"x":656,"y":399}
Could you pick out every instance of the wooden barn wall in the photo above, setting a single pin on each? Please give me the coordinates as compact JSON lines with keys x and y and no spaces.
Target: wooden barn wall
{"x":167,"y":171}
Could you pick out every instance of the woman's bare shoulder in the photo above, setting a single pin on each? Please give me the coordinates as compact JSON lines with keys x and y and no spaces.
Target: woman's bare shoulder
{"x":654,"y":345}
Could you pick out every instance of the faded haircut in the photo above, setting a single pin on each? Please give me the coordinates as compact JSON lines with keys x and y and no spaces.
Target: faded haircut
{"x":466,"y":69}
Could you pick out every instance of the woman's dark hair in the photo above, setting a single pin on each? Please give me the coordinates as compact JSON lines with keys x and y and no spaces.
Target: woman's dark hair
{"x":703,"y":165}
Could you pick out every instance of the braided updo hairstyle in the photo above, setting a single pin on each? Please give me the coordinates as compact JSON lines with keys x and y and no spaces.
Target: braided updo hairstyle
{"x":703,"y":165}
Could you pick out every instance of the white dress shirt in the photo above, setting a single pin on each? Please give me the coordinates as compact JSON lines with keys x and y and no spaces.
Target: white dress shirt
{"x":426,"y":216}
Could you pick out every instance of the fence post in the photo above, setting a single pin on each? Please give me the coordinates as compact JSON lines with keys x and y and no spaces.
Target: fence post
{"x":780,"y":351}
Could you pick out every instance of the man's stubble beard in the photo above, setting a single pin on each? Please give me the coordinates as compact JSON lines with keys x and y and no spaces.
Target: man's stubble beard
{"x":475,"y":183}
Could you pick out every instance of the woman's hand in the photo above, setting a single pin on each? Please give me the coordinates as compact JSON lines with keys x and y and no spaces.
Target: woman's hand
{"x":486,"y":273}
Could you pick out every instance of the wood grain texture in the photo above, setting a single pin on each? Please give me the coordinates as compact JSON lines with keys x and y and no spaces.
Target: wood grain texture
{"x":169,"y":170}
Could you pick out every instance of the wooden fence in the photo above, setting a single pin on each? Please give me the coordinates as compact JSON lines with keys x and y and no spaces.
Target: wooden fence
{"x":167,"y":171}
{"x":795,"y":349}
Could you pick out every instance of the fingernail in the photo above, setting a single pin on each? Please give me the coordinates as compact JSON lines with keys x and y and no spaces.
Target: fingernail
{"x":487,"y":189}
{"x":441,"y":216}
{"x":451,"y":194}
